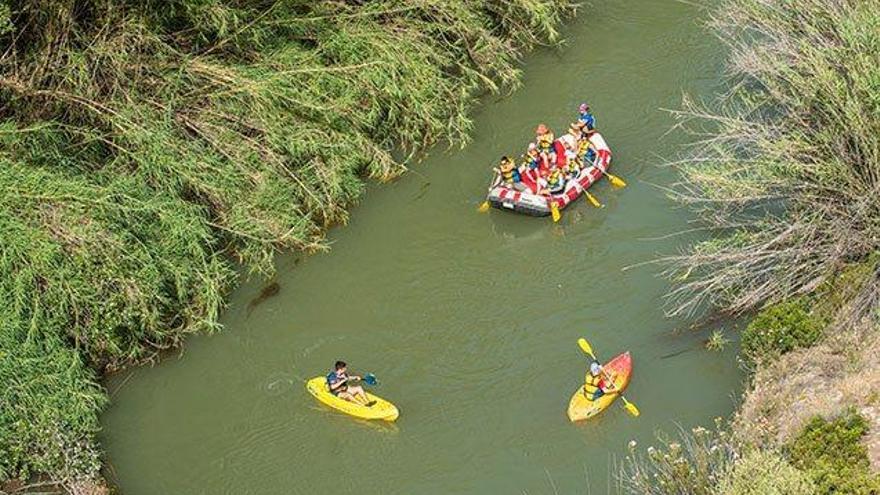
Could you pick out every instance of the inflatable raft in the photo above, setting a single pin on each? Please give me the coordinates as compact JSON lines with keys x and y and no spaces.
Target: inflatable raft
{"x":505,"y":198}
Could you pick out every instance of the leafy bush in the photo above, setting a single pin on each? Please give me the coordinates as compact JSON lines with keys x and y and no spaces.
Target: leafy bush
{"x":764,"y":473}
{"x":832,"y":453}
{"x":779,"y":329}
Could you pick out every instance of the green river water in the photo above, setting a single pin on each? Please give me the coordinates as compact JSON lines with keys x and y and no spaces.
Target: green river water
{"x":469,"y":320}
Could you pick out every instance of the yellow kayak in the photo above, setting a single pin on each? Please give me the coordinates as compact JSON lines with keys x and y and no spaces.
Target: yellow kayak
{"x":580,"y":407}
{"x":382,"y":409}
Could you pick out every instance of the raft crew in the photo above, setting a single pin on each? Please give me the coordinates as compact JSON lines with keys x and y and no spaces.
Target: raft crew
{"x":595,"y":384}
{"x":585,"y":116}
{"x":337,"y":382}
{"x":550,"y":162}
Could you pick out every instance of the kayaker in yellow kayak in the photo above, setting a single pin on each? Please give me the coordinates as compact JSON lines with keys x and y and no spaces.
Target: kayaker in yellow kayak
{"x":597,"y":382}
{"x":337,"y":381}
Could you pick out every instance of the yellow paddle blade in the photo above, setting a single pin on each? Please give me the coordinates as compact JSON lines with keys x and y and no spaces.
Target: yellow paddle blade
{"x":554,"y":212}
{"x":484,"y":207}
{"x":615,"y":181}
{"x":592,"y":200}
{"x":585,"y":346}
{"x":630,"y":407}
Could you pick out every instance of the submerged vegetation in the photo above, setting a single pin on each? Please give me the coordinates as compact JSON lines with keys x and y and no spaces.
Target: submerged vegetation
{"x":147,"y":146}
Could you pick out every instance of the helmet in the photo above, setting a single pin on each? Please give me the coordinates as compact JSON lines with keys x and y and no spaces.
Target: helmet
{"x":595,"y":368}
{"x":542,"y":129}
{"x":584,"y":107}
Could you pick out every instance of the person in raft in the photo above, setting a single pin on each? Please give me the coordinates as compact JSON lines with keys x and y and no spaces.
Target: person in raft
{"x":544,"y":137}
{"x":337,"y":381}
{"x":555,"y":180}
{"x":532,"y":160}
{"x":585,"y":116}
{"x":510,"y":174}
{"x":595,"y":384}
{"x":570,"y":142}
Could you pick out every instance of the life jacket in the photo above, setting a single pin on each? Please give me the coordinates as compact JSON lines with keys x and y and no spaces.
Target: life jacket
{"x":511,"y":176}
{"x":333,"y":378}
{"x":592,"y":384}
{"x":555,"y":178}
{"x":583,"y":146}
{"x":545,"y":141}
{"x":588,"y":119}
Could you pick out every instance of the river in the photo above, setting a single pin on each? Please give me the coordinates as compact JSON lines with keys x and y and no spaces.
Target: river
{"x":469,"y":320}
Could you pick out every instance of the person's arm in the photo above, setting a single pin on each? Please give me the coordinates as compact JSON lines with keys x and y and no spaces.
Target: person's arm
{"x":608,"y":382}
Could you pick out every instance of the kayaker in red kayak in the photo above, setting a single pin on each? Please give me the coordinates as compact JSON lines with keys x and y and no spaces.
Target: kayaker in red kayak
{"x":337,"y":381}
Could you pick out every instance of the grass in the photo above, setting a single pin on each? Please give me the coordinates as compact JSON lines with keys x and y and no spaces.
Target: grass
{"x":785,"y":172}
{"x":147,"y":147}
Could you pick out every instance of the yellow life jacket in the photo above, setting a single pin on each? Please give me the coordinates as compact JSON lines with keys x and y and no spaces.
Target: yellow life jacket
{"x":554,"y":177}
{"x":545,"y":141}
{"x":511,"y":175}
{"x":591,"y":385}
{"x":583,"y":146}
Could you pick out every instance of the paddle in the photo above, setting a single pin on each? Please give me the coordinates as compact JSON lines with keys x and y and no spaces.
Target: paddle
{"x":630,"y":407}
{"x":615,"y":181}
{"x":369,"y":379}
{"x":484,"y":206}
{"x":554,"y":211}
{"x":592,"y":199}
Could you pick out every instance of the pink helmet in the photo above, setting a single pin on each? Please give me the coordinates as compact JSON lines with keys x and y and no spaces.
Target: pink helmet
{"x":583,"y":108}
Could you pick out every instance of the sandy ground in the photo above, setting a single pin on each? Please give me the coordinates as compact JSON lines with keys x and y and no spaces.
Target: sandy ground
{"x":839,"y":372}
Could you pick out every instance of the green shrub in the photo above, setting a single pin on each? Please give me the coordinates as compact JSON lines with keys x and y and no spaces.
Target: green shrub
{"x":764,"y":473}
{"x":832,"y":453}
{"x":779,"y":329}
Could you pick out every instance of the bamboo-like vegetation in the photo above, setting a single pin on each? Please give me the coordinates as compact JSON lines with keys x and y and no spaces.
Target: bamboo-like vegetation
{"x":786,"y":173}
{"x":147,"y":145}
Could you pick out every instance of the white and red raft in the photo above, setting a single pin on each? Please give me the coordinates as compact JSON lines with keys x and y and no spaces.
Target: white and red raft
{"x":506,"y":198}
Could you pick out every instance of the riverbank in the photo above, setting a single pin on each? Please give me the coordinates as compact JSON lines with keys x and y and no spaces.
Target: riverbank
{"x":786,"y":174}
{"x":148,"y":149}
